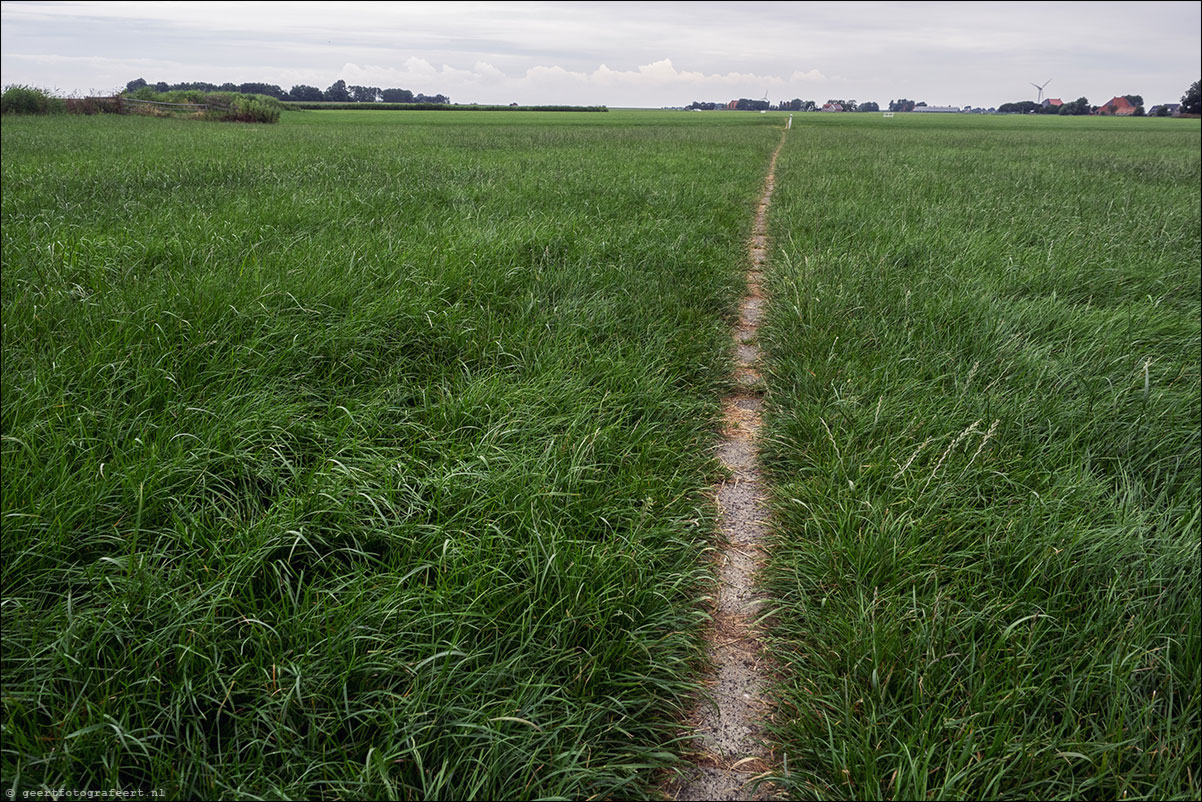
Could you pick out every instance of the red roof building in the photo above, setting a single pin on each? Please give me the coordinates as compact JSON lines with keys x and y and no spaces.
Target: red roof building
{"x":1117,"y":107}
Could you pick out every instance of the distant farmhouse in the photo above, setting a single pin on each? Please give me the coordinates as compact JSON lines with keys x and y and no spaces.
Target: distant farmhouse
{"x":1170,"y":110}
{"x":1052,"y":102}
{"x":1117,"y":107}
{"x":832,"y":107}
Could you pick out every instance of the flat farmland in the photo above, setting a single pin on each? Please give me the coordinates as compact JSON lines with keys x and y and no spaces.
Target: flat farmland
{"x":362,"y":455}
{"x":983,"y":437}
{"x":372,"y":454}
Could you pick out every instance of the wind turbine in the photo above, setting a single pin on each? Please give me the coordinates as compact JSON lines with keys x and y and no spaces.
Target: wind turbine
{"x":1040,"y":88}
{"x":766,"y":100}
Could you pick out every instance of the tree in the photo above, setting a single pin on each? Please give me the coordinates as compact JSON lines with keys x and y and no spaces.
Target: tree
{"x":271,"y":90}
{"x":1077,"y":107}
{"x":797,"y":104}
{"x":1163,"y":110}
{"x":305,"y":93}
{"x":337,"y":92}
{"x":364,"y":94}
{"x":197,"y":86}
{"x":135,"y":85}
{"x":1191,"y":101}
{"x":1139,"y":112}
{"x":1135,"y":100}
{"x":162,"y":86}
{"x":869,"y":106}
{"x":397,"y":96}
{"x":747,"y":104}
{"x":1021,"y":107}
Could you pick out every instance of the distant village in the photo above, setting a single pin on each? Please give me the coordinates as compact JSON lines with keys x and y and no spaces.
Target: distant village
{"x":1118,"y":106}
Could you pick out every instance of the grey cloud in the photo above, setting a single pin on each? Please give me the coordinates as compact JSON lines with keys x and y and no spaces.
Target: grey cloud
{"x":983,"y":53}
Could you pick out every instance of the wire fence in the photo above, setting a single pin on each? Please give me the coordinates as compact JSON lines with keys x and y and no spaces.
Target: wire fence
{"x":122,"y":104}
{"x":171,"y":106}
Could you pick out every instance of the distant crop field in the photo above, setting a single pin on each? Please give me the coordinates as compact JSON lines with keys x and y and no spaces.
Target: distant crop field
{"x":361,"y":456}
{"x":315,"y":105}
{"x":983,"y":378}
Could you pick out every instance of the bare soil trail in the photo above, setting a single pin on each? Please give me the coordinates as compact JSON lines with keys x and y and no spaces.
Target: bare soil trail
{"x":730,"y":753}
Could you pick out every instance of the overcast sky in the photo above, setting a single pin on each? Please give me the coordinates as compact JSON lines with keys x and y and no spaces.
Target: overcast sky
{"x":620,"y":54}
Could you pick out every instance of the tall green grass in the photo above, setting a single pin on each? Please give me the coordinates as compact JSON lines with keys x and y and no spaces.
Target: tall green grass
{"x":360,"y":456}
{"x":984,"y":435}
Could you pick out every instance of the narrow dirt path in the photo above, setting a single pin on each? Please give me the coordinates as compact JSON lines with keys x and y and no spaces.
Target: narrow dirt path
{"x":731,"y":753}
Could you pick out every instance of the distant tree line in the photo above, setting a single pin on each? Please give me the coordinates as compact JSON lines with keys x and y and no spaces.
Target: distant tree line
{"x":796,"y":104}
{"x":742,"y":104}
{"x":746,"y":104}
{"x":338,"y":92}
{"x":853,"y":105}
{"x":1076,"y":107}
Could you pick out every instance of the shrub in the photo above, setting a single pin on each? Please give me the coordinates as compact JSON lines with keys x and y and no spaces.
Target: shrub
{"x":223,"y":106}
{"x":90,"y":105}
{"x":18,"y":99}
{"x":243,"y":108}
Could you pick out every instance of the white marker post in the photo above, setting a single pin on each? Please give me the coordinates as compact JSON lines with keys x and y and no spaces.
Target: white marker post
{"x":789,"y":124}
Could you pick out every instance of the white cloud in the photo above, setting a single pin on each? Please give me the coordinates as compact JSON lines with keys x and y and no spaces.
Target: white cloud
{"x":552,"y":83}
{"x":416,"y":73}
{"x":803,"y":77}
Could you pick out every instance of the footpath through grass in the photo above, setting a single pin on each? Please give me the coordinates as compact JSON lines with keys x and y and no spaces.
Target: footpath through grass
{"x":984,"y":433}
{"x":362,"y":455}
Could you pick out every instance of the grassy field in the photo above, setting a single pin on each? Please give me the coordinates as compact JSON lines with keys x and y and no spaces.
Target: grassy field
{"x":984,"y":439}
{"x":365,"y":455}
{"x":361,"y":455}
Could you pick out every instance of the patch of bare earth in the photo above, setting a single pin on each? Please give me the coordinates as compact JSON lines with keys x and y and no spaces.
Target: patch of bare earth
{"x":730,"y":751}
